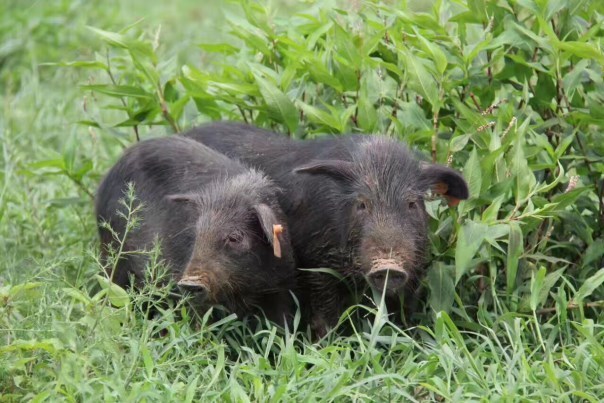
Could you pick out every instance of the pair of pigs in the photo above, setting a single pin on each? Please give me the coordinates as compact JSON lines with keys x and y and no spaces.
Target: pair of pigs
{"x":239,"y":210}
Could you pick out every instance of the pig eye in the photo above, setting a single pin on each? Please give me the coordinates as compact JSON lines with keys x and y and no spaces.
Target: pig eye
{"x":234,"y":237}
{"x":361,"y":205}
{"x":412,"y":205}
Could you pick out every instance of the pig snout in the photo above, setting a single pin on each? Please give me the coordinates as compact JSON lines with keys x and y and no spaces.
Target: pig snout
{"x":194,"y":286}
{"x":388,"y":274}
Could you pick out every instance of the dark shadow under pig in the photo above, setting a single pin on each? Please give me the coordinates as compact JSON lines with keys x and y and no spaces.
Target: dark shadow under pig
{"x":354,"y":203}
{"x":214,"y":220}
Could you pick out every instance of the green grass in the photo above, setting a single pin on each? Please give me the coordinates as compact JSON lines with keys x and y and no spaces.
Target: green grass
{"x":61,"y":339}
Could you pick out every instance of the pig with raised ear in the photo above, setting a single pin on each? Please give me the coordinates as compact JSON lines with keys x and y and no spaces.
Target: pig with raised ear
{"x":221,"y":230}
{"x":378,"y":218}
{"x":355,"y":204}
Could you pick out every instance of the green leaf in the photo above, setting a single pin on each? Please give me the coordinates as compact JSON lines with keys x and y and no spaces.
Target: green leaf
{"x":515,"y":249}
{"x":421,"y":80}
{"x":148,"y":362}
{"x":548,"y":282}
{"x":83,"y":64}
{"x":116,"y":294}
{"x":582,"y":50}
{"x":320,"y":74}
{"x":589,"y":286}
{"x":525,"y":179}
{"x":346,"y":47}
{"x":458,"y":143}
{"x":470,"y":239}
{"x":367,"y":115}
{"x":490,"y":213}
{"x":440,"y":279}
{"x":319,"y":116}
{"x":594,"y":252}
{"x":24,"y":291}
{"x":78,"y":295}
{"x":437,"y":55}
{"x":119,"y":90}
{"x":224,"y":48}
{"x":112,"y":38}
{"x":549,"y":186}
{"x":280,"y":107}
{"x":58,"y":163}
{"x":473,"y":174}
{"x":537,"y":282}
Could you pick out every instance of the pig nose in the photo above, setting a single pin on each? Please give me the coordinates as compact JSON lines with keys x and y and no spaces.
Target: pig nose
{"x":392,"y":278}
{"x":193,"y":288}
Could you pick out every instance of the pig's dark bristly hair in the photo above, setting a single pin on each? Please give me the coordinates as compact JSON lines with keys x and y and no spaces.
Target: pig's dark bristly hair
{"x":389,"y":164}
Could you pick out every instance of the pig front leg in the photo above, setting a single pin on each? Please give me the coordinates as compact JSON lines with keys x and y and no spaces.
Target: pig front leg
{"x":329,"y":299}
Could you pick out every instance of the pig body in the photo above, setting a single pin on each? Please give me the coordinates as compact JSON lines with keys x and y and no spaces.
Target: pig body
{"x":354,"y":204}
{"x":214,"y":220}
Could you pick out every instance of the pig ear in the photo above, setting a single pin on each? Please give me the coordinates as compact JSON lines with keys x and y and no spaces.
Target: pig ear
{"x":335,"y":169}
{"x":271,"y":227}
{"x":447,"y":182}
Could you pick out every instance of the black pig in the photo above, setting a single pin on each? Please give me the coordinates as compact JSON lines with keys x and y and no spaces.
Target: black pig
{"x":354,"y":203}
{"x":214,"y":219}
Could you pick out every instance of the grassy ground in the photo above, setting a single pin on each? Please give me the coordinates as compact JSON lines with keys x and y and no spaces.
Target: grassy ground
{"x":60,"y":340}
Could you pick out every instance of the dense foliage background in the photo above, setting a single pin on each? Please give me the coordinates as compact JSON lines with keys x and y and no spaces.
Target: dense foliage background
{"x":509,"y":92}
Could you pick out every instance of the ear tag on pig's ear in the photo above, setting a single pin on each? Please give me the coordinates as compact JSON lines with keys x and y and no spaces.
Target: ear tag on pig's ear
{"x":277,"y":230}
{"x":442,"y":188}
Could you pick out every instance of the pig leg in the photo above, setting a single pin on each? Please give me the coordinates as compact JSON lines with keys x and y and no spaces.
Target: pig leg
{"x":278,"y":308}
{"x":329,"y":297}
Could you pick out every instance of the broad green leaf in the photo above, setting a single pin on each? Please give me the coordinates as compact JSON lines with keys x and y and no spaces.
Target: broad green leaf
{"x":367,"y":115}
{"x":564,"y":144}
{"x":473,"y":174}
{"x":589,"y":286}
{"x":320,"y":74}
{"x":421,"y":80}
{"x":594,"y":252}
{"x":437,"y":55}
{"x":582,"y":50}
{"x":113,"y":38}
{"x":440,"y":279}
{"x":116,"y":294}
{"x":281,"y":108}
{"x":525,"y":179}
{"x":345,"y":46}
{"x":470,"y":239}
{"x":537,"y":282}
{"x":458,"y":143}
{"x":319,"y":116}
{"x":23,"y":291}
{"x":550,"y":280}
{"x":490,"y":213}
